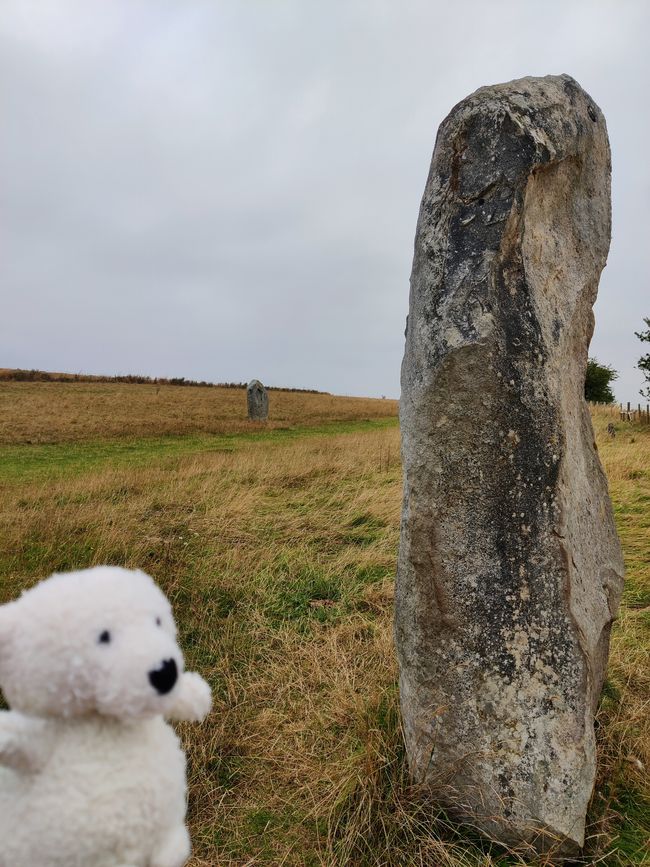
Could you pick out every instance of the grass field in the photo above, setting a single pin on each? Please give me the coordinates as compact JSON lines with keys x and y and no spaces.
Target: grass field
{"x":277,"y":548}
{"x":54,"y":412}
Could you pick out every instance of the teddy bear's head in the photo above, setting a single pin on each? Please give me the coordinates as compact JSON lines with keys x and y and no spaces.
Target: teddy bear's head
{"x":102,"y":640}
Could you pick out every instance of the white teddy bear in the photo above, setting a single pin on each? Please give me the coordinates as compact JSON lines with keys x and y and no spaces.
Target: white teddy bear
{"x":91,"y":775}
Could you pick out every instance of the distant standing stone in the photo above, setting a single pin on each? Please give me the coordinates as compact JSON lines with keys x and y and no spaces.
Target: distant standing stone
{"x":510,"y":570}
{"x":258,"y":401}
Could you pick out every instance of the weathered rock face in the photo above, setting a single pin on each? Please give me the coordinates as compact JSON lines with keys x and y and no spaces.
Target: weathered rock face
{"x":258,"y":401}
{"x":510,"y":570}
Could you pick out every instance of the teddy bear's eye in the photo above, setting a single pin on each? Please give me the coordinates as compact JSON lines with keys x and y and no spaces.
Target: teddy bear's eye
{"x":105,"y":637}
{"x":158,"y":621}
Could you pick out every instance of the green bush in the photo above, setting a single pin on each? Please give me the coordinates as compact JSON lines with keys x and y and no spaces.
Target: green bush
{"x":597,"y":382}
{"x":644,"y":362}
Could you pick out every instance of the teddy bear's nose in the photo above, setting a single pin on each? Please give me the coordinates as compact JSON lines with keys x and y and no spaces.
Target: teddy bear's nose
{"x":163,"y":679}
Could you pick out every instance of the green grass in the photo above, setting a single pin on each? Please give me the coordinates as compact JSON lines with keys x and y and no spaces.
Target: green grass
{"x":20,"y":463}
{"x":277,"y":549}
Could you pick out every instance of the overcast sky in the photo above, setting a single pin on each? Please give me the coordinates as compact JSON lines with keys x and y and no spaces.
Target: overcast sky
{"x":226,"y":190}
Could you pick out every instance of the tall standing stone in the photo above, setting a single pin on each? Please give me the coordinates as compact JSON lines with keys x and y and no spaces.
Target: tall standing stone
{"x":510,"y":570}
{"x":258,"y":401}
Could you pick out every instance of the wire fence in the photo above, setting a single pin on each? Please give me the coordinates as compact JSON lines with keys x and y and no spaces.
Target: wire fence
{"x":627,"y":411}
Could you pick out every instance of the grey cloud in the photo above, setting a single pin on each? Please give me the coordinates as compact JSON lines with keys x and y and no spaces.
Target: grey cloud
{"x":223,"y":189}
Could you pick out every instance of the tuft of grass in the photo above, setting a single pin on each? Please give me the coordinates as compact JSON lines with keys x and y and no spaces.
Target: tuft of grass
{"x":277,"y":549}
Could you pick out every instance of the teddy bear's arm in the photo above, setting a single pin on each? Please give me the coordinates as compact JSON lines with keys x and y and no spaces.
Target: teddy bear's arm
{"x":193,"y":699}
{"x":25,"y":744}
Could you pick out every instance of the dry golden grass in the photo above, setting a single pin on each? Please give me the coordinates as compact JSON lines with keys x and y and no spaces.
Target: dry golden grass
{"x":279,"y":557}
{"x":52,"y":412}
{"x":624,"y":717}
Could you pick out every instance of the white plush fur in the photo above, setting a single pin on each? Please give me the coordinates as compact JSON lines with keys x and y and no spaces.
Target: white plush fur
{"x":91,"y":775}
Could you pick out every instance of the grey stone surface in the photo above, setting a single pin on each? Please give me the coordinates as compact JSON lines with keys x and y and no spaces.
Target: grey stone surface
{"x":258,"y":401}
{"x":510,"y":570}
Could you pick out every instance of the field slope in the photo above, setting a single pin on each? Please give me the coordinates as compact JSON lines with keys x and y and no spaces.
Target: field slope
{"x":278,"y":548}
{"x":54,"y":412}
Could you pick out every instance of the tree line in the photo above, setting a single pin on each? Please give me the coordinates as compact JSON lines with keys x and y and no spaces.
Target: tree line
{"x":19,"y":375}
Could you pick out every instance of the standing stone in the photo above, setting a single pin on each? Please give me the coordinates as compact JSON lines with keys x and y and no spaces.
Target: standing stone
{"x":510,"y":570}
{"x":258,"y":401}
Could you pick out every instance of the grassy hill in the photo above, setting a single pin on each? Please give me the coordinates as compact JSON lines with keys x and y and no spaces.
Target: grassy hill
{"x":53,"y":412}
{"x":277,"y":547}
